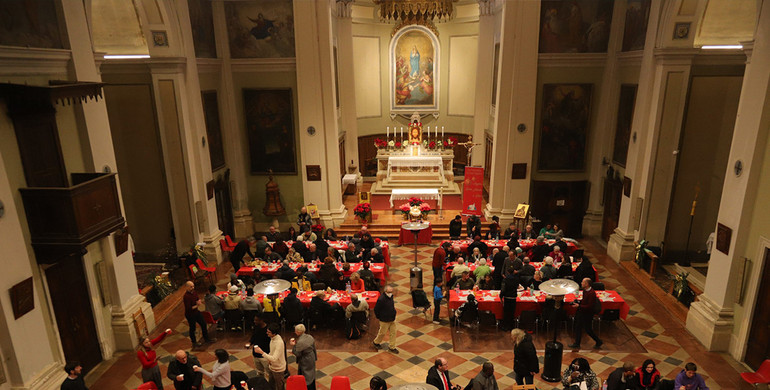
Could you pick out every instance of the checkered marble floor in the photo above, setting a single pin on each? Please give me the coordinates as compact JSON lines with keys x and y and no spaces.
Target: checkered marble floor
{"x":420,"y":342}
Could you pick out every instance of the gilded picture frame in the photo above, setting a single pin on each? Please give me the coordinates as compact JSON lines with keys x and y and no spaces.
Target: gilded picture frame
{"x":414,"y":70}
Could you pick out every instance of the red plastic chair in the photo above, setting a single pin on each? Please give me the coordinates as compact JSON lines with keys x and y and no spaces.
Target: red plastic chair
{"x":147,"y":386}
{"x":340,"y":383}
{"x":761,"y":376}
{"x":229,"y":241}
{"x":296,"y":382}
{"x":225,"y":248}
{"x":211,"y":271}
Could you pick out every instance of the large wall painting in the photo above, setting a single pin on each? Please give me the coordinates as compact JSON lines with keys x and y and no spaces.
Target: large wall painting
{"x":30,"y":24}
{"x":564,"y":128}
{"x":623,"y":129}
{"x":270,"y":128}
{"x":635,"y":29}
{"x":260,"y":29}
{"x":575,"y":26}
{"x":202,"y":24}
{"x":414,"y":54}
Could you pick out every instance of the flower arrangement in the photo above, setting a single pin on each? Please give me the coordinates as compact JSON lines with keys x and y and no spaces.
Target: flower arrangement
{"x":398,"y":144}
{"x":362,"y":210}
{"x":432,"y":145}
{"x":414,"y":201}
{"x":415,"y":208}
{"x":391,"y":143}
{"x":196,"y":251}
{"x":450,"y":142}
{"x":380,"y":143}
{"x":317,"y":228}
{"x":425,"y":209}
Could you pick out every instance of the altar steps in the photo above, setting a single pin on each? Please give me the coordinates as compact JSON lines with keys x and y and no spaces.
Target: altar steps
{"x":391,"y":229}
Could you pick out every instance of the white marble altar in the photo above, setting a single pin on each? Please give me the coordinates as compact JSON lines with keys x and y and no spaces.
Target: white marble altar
{"x":414,"y":167}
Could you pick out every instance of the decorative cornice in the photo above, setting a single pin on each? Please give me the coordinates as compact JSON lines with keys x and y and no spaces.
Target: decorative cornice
{"x":486,"y":7}
{"x":20,"y":61}
{"x":674,"y":56}
{"x":344,"y":9}
{"x":585,"y":60}
{"x":748,"y":49}
{"x":630,"y":58}
{"x":158,"y":65}
{"x":209,"y":65}
{"x":720,"y":57}
{"x":264,"y":65}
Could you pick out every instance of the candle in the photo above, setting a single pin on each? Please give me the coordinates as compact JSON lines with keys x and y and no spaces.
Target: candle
{"x":402,"y":133}
{"x":436,"y":131}
{"x":442,"y":131}
{"x":387,"y":132}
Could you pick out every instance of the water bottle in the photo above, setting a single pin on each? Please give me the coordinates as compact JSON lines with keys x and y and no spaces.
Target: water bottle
{"x":604,"y":385}
{"x":347,"y":288}
{"x":457,"y":289}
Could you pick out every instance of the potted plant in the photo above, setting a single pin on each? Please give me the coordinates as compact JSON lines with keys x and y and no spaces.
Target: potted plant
{"x":364,"y":212}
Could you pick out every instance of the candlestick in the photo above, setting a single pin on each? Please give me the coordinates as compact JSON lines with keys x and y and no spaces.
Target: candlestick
{"x":387,"y":133}
{"x":402,"y":135}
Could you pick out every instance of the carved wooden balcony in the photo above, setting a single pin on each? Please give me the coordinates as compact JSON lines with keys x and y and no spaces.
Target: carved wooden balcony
{"x":64,"y":220}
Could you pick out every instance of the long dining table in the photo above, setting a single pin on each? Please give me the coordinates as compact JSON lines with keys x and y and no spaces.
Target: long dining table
{"x":343,"y":246}
{"x":336,"y":296}
{"x":379,"y":270}
{"x":448,"y":267}
{"x":489,"y":300}
{"x":499,"y":244}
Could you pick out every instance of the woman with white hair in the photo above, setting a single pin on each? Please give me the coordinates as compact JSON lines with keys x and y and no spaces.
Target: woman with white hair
{"x":548,"y":271}
{"x":525,"y":363}
{"x":475,"y":256}
{"x":304,"y":349}
{"x":557,"y":254}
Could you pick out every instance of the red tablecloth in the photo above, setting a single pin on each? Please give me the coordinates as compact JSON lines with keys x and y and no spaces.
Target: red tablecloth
{"x":343,"y":246}
{"x":407,"y":237}
{"x":340,"y":297}
{"x":492,"y":244}
{"x":378,"y":269}
{"x":490,"y":300}
{"x":472,"y":266}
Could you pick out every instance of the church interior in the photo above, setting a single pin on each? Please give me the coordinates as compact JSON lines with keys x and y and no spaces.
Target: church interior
{"x":143,"y":139}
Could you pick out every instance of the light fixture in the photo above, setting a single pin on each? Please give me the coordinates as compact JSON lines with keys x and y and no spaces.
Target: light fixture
{"x":721,"y":47}
{"x":415,"y":11}
{"x":125,"y":56}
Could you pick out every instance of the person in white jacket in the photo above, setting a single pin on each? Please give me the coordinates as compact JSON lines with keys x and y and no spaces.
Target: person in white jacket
{"x":220,"y":373}
{"x":276,"y":358}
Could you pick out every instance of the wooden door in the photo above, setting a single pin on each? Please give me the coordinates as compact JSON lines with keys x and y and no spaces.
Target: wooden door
{"x":759,"y":348}
{"x":72,"y":307}
{"x":613,"y":191}
{"x":561,"y":202}
{"x":224,"y":204}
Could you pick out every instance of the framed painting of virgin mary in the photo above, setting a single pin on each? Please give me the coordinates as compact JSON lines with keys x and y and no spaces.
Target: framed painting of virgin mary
{"x":414,"y":54}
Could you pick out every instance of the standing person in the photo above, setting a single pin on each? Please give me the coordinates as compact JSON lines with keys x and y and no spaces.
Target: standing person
{"x":438,"y":375}
{"x":485,"y":380}
{"x":498,"y":261}
{"x":438,"y":296}
{"x":74,"y":380}
{"x":193,"y":315}
{"x":304,"y":349}
{"x":149,"y":359}
{"x":303,"y":219}
{"x":220,"y":373}
{"x":525,"y":363}
{"x":508,"y":295}
{"x":585,"y":315}
{"x":241,"y":249}
{"x":689,"y":379}
{"x":180,"y":370}
{"x":259,"y":339}
{"x":385,"y":311}
{"x":647,"y":375}
{"x":439,"y":256}
{"x":276,"y":358}
{"x":622,"y":378}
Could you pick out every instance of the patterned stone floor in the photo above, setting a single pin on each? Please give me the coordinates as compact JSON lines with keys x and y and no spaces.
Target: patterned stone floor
{"x":420,"y":342}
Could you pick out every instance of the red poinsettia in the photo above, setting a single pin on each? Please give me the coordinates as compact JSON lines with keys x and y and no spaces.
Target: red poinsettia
{"x":317,"y":228}
{"x":362,"y":210}
{"x":380,"y":143}
{"x":398,"y":144}
{"x":425,"y":207}
{"x":432,"y":145}
{"x":414,"y":201}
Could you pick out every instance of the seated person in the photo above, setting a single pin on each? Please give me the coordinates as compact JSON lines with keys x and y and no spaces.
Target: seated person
{"x":528,"y":233}
{"x":356,"y":283}
{"x":473,"y":226}
{"x":579,"y":371}
{"x":333,"y":253}
{"x":459,"y":268}
{"x":273,"y":234}
{"x":300,"y":282}
{"x":585,"y":270}
{"x":456,"y":228}
{"x":250,"y":302}
{"x":292,"y":310}
{"x":256,"y":276}
{"x":300,"y":248}
{"x":287,"y":273}
{"x":290,"y":235}
{"x":477,"y":243}
{"x":232,"y":306}
{"x":234,"y":281}
{"x":311,"y":254}
{"x":513,"y":243}
{"x":475,"y":255}
{"x":468,"y":310}
{"x":357,"y":305}
{"x":527,"y":272}
{"x":548,"y":271}
{"x":536,"y":280}
{"x":367,"y":242}
{"x":559,"y":241}
{"x":360,"y":234}
{"x":555,"y":231}
{"x":482,"y":269}
{"x":260,"y":246}
{"x":540,"y":250}
{"x":511,"y":233}
{"x":454,"y":254}
{"x":271,"y":257}
{"x":352,"y":254}
{"x":546,"y":231}
{"x":689,"y":378}
{"x":494,"y":229}
{"x":329,"y":274}
{"x":374,"y":256}
{"x":488,"y":283}
{"x":565,"y":270}
{"x":370,"y":282}
{"x":293,"y":256}
{"x":329,"y":313}
{"x":330,"y":235}
{"x":356,"y":317}
{"x":271,"y":311}
{"x":307,"y":235}
{"x":214,"y":304}
{"x":557,"y":255}
{"x":465,"y":282}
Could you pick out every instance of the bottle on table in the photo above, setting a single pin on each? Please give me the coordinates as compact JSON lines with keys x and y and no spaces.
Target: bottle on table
{"x":347,"y":287}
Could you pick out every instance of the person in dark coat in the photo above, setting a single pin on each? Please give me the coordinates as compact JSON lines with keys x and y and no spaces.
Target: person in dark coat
{"x":559,"y":241}
{"x":511,"y":233}
{"x":585,"y":315}
{"x":329,"y":274}
{"x":478,"y":244}
{"x":456,"y":228}
{"x":180,"y":371}
{"x":647,"y":376}
{"x":565,"y":270}
{"x":494,"y":229}
{"x":528,"y":233}
{"x":242,"y":248}
{"x":385,"y":311}
{"x":367,"y":242}
{"x":473,"y":226}
{"x":508,"y":295}
{"x":292,"y":309}
{"x":439,"y":376}
{"x":525,"y":363}
{"x":352,"y":254}
{"x":622,"y":378}
{"x":585,"y":270}
{"x":497,"y":262}
{"x":539,"y":251}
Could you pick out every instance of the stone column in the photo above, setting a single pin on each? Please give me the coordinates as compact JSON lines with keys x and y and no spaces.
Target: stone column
{"x":233,"y":136}
{"x":484,"y":76}
{"x":98,"y":155}
{"x":710,"y":319}
{"x":318,"y":132}
{"x":605,"y":124}
{"x":516,"y":91}
{"x":346,"y":82}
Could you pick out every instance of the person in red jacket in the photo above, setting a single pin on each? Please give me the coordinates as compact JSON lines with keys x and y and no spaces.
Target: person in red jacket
{"x":585,"y":315}
{"x":149,"y":359}
{"x":439,"y":256}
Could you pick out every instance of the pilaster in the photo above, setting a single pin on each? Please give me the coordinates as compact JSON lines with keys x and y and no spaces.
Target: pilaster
{"x":345,"y":74}
{"x":318,"y":131}
{"x":515,"y":108}
{"x":621,"y":246}
{"x":126,"y":338}
{"x":484,"y":75}
{"x":710,"y":318}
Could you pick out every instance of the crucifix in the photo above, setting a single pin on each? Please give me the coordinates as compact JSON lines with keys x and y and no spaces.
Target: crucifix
{"x":469,"y":145}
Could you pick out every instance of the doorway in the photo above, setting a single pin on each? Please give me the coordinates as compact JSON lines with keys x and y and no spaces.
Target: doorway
{"x":613,"y":191}
{"x":71,"y":303}
{"x":224,"y":204}
{"x":759,"y":348}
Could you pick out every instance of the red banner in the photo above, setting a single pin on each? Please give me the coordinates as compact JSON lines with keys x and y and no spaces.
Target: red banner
{"x":472,"y":187}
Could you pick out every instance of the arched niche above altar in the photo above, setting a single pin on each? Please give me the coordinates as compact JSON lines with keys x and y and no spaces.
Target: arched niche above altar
{"x":414,"y":53}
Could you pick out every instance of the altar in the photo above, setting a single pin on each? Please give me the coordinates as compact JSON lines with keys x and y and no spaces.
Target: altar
{"x":402,"y":169}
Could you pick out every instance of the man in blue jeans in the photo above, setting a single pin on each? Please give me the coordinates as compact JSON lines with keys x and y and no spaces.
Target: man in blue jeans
{"x":438,"y":295}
